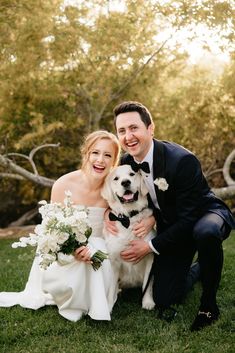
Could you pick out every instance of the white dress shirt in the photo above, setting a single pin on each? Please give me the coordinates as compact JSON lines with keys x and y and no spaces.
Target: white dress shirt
{"x":149,"y":183}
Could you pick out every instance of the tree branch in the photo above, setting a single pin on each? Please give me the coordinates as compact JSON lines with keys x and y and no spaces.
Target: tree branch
{"x":24,"y":218}
{"x":21,"y":173}
{"x":11,"y":176}
{"x":225,"y":193}
{"x":226,"y":169}
{"x":26,"y":157}
{"x":209,"y":174}
{"x":8,"y":164}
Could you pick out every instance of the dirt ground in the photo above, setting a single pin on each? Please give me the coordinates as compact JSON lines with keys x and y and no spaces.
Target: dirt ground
{"x":15,"y":232}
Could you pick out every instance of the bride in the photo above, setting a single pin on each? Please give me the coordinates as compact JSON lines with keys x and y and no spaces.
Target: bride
{"x":76,"y":288}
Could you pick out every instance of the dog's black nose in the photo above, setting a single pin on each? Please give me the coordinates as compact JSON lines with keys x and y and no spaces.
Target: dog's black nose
{"x":125,"y":183}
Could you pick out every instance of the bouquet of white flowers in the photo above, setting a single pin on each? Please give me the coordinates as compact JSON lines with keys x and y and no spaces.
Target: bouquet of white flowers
{"x":64,"y":228}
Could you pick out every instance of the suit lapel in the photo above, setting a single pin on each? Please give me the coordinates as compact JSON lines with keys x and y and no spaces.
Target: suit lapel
{"x":159,"y":168}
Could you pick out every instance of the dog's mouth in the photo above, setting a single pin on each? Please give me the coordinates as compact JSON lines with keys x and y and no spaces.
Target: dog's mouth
{"x":128,"y":197}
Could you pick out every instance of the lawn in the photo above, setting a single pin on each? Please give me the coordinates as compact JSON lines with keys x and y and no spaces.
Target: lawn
{"x":131,"y":330}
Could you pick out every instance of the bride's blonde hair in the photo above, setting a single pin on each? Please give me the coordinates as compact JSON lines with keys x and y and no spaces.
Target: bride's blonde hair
{"x":92,"y":138}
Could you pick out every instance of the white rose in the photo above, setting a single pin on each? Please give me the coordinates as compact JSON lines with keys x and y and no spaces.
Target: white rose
{"x":42,"y":202}
{"x":79,"y":236}
{"x":33,"y":241}
{"x":15,"y":245}
{"x":47,"y":244}
{"x":39,"y":229}
{"x":60,"y":217}
{"x":71,"y":220}
{"x":21,"y":245}
{"x":62,"y":237}
{"x":161,"y":184}
{"x":24,"y":240}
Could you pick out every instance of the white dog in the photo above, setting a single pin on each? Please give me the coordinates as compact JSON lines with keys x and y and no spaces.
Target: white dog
{"x":126,"y":194}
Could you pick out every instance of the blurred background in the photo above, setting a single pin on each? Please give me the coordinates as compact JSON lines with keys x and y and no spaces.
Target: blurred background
{"x":66,"y":64}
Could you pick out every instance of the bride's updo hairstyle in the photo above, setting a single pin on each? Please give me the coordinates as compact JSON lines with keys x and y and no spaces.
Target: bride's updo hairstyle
{"x":92,"y":138}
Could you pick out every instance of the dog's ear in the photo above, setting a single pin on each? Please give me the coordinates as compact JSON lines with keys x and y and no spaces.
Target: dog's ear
{"x":143,"y":188}
{"x":106,"y":191}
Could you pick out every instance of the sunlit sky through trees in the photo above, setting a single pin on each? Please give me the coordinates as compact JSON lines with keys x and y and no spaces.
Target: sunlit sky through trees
{"x":205,"y":46}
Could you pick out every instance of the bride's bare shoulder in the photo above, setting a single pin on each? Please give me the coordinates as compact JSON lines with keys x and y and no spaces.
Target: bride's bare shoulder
{"x":64,"y":183}
{"x":68,"y":178}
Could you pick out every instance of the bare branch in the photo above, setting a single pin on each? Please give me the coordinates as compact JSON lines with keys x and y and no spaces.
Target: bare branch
{"x":210,"y":169}
{"x":36,"y":149}
{"x":31,"y":155}
{"x":225,"y":193}
{"x":209,"y":174}
{"x":24,"y":218}
{"x":226,"y":169}
{"x":11,"y":176}
{"x":8,"y":164}
{"x":26,"y":157}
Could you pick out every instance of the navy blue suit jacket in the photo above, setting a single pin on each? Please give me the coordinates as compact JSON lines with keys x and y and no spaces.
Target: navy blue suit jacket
{"x":187,"y":198}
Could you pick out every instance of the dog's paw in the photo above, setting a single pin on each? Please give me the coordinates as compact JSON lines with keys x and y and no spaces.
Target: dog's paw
{"x":148,"y":304}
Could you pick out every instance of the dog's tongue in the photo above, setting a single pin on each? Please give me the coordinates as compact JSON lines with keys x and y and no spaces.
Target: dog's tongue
{"x":128,"y":197}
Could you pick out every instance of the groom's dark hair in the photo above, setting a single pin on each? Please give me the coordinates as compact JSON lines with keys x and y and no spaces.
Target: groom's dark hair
{"x":131,"y":106}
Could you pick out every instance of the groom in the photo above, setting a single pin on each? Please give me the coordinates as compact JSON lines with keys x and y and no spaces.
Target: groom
{"x":188,"y":215}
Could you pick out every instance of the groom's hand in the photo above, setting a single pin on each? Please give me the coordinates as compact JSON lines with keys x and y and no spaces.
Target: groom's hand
{"x":110,"y":226}
{"x":136,"y":251}
{"x":144,"y":227}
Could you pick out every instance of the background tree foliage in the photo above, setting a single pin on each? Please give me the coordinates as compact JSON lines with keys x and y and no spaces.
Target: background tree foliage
{"x":63,"y":68}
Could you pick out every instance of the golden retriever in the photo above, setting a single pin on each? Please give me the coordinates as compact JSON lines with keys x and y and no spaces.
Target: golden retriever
{"x":126,"y":194}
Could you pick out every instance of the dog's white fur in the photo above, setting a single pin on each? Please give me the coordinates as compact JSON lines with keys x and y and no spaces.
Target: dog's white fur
{"x":128,"y":274}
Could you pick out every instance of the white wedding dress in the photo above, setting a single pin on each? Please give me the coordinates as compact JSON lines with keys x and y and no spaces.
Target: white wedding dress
{"x":76,"y":288}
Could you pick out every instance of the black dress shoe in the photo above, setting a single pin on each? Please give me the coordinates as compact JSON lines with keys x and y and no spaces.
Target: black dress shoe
{"x":203,"y":319}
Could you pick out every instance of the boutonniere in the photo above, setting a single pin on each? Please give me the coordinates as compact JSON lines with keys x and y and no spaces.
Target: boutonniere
{"x":161,"y":184}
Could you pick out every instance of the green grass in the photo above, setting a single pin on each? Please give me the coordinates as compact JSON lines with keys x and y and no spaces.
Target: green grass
{"x":131,"y":330}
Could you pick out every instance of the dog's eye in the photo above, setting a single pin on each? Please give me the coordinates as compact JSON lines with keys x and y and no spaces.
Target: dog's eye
{"x":116,"y":178}
{"x":132,"y":174}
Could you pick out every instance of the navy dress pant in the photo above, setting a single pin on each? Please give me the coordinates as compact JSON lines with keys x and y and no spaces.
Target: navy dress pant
{"x":173,"y":274}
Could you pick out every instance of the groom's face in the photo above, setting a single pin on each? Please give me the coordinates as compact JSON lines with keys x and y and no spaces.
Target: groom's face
{"x":135,"y":138}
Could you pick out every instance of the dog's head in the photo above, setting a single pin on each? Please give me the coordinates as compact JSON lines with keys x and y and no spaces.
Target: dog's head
{"x":124,"y":186}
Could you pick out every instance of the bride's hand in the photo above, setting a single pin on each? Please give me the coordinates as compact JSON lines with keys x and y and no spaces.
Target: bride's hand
{"x":142,"y":228}
{"x":83,"y":254}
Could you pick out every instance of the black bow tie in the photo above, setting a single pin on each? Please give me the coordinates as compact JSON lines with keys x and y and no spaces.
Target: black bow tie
{"x":137,"y":166}
{"x":123,"y":219}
